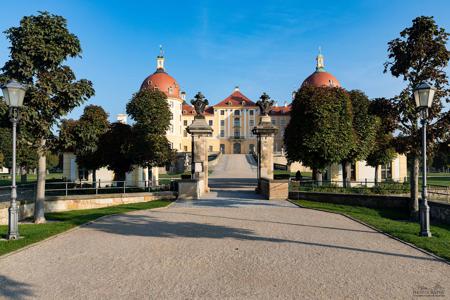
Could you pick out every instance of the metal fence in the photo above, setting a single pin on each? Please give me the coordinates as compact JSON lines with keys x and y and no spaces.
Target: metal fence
{"x":60,"y":188}
{"x":435,"y":192}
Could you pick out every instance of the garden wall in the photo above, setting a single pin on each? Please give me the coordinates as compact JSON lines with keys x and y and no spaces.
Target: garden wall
{"x":77,"y":202}
{"x":438,"y":211}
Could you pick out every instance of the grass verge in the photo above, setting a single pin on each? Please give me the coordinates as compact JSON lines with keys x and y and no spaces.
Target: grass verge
{"x":395,"y":223}
{"x":63,"y":221}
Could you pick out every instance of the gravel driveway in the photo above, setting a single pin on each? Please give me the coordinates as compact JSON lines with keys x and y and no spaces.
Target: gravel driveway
{"x":229,"y":245}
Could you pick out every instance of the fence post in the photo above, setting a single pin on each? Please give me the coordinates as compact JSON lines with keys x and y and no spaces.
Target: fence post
{"x":124,"y":187}
{"x":96,"y":187}
{"x":66,"y":189}
{"x":365,"y":180}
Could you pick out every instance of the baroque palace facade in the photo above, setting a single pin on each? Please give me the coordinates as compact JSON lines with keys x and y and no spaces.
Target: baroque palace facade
{"x":232,"y":120}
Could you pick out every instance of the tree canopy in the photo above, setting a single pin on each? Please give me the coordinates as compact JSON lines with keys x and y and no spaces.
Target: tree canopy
{"x":320,"y":130}
{"x":40,"y":45}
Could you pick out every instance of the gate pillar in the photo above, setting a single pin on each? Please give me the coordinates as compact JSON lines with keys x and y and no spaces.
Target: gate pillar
{"x":264,"y":132}
{"x":199,"y":131}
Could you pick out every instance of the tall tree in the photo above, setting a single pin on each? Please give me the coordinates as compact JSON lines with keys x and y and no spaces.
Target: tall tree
{"x":383,"y":150}
{"x":320,"y":130}
{"x":116,"y":148}
{"x":39,"y":48}
{"x":364,"y":129}
{"x":419,"y":55}
{"x":151,"y":113}
{"x":92,"y":125}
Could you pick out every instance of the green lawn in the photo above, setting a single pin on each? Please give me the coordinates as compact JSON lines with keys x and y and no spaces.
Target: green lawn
{"x":30,"y":178}
{"x":395,"y":223}
{"x":63,"y":221}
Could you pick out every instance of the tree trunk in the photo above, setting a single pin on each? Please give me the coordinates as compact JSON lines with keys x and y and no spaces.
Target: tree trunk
{"x":377,"y":168}
{"x":317,"y":176}
{"x":346,"y":173}
{"x":414,"y":183}
{"x":120,"y":177}
{"x":94,"y":178}
{"x":23,"y":174}
{"x":39,"y":214}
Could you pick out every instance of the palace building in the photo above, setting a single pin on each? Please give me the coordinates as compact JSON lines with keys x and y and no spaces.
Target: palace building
{"x":232,"y":120}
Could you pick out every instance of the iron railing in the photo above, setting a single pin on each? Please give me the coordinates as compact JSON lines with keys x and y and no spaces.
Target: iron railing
{"x":435,"y":192}
{"x":67,"y":188}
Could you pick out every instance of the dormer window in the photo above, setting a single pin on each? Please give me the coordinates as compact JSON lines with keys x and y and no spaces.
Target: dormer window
{"x":229,"y":103}
{"x":331,"y":82}
{"x":243,"y":103}
{"x":170,"y":90}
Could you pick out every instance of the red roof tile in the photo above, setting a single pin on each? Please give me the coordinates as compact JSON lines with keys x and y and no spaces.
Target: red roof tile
{"x":236,"y":99}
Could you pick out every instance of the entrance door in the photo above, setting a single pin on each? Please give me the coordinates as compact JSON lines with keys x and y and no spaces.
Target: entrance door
{"x":237,"y":148}
{"x":222,"y":148}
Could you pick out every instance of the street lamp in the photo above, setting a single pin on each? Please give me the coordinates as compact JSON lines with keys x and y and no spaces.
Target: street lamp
{"x":424,"y":94}
{"x":13,"y":93}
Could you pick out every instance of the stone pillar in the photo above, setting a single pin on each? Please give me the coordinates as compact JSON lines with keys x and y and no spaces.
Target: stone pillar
{"x":265,"y":132}
{"x":199,"y":131}
{"x":155,"y":176}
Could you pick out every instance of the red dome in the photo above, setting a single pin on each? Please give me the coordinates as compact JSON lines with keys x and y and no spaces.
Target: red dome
{"x":321,"y":78}
{"x":164,"y":82}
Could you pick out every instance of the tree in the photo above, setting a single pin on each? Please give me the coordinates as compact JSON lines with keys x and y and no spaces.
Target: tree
{"x":419,"y":55}
{"x":150,"y":110}
{"x":88,"y":130}
{"x":441,"y":159}
{"x":39,"y":48}
{"x":383,"y":150}
{"x":116,"y":147}
{"x":364,"y":130}
{"x":320,"y":130}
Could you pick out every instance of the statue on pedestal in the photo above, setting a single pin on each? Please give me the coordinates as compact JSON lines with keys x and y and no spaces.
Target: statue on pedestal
{"x":199,"y":102}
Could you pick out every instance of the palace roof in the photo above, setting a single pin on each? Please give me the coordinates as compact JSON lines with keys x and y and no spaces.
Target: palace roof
{"x":235,"y":99}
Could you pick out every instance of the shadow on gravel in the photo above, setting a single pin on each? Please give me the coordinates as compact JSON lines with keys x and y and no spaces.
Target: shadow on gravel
{"x":13,"y":289}
{"x":149,"y":226}
{"x":267,"y":221}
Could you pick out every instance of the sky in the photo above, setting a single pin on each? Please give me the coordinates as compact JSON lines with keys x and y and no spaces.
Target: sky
{"x":213,"y":46}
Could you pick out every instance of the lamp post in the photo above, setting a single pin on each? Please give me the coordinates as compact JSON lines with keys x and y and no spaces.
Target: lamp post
{"x":13,"y":93}
{"x":423,"y":95}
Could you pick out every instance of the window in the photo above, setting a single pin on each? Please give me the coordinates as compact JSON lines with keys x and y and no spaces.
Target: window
{"x":251,"y":122}
{"x":210,"y":122}
{"x":237,"y":112}
{"x":171,"y":104}
{"x":274,"y":122}
{"x":210,"y":149}
{"x":170,"y":91}
{"x":222,"y":122}
{"x":237,"y":122}
{"x":185,"y":149}
{"x":283,"y":122}
{"x":222,"y":112}
{"x":222,"y":133}
{"x":252,"y":112}
{"x":386,"y":171}
{"x":185,"y":122}
{"x":237,"y":133}
{"x":185,"y":133}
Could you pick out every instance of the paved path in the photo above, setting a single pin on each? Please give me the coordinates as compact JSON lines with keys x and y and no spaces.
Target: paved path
{"x":228,"y":245}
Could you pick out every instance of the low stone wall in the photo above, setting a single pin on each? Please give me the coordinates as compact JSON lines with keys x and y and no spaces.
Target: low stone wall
{"x":440,"y":212}
{"x":273,"y":189}
{"x":372,"y":201}
{"x":78,"y":202}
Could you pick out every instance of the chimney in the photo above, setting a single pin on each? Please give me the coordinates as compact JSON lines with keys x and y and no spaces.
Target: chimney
{"x":236,"y":89}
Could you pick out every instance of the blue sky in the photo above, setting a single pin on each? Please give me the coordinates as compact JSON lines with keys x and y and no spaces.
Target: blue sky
{"x":212,"y":46}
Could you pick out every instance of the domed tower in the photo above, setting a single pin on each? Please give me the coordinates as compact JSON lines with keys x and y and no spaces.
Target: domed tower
{"x":321,"y":77}
{"x":162,"y":81}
